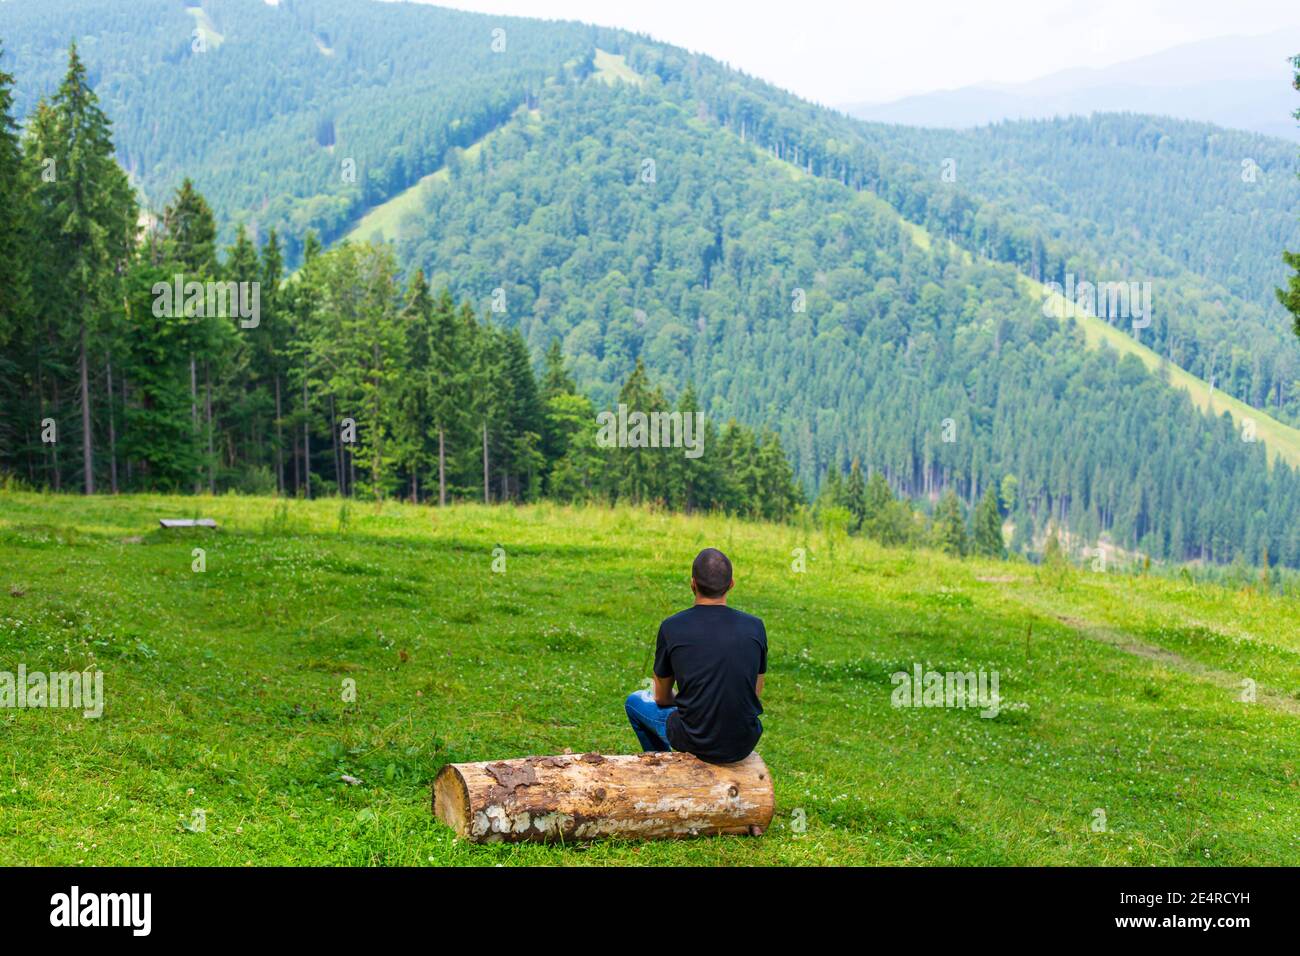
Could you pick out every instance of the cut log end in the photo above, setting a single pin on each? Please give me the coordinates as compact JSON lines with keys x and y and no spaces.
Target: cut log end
{"x":451,"y":799}
{"x":590,"y":796}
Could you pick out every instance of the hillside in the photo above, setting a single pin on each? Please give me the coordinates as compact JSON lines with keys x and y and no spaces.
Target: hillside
{"x":223,"y":688}
{"x":699,"y":278}
{"x":265,"y":118}
{"x":1281,"y":440}
{"x":631,"y":200}
{"x":1198,"y":211}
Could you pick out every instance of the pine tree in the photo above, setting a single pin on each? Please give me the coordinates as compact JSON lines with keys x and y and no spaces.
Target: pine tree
{"x":986,"y":537}
{"x":14,"y":200}
{"x":233,"y":368}
{"x":448,"y":380}
{"x":360,"y":335}
{"x":779,"y":494}
{"x":15,"y":283}
{"x":190,"y":232}
{"x":949,"y":526}
{"x":832,"y":490}
{"x":190,"y":247}
{"x":855,"y":495}
{"x":416,"y":387}
{"x":580,"y":472}
{"x":556,"y":382}
{"x":158,"y":437}
{"x":524,"y":420}
{"x":87,"y":217}
{"x":556,"y":379}
{"x":306,"y":361}
{"x":635,"y":472}
{"x":887,"y":519}
{"x":699,"y":483}
{"x":485,"y":388}
{"x":276,"y":334}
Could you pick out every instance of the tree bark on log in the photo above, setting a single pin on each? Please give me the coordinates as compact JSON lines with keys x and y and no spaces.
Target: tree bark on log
{"x":588,"y":796}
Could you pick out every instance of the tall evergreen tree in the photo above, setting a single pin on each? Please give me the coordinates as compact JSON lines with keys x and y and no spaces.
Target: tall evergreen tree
{"x":15,"y":288}
{"x":87,"y":215}
{"x":274,"y":338}
{"x":449,"y":383}
{"x":416,"y":387}
{"x":234,"y":369}
{"x":190,"y":248}
{"x":556,"y":381}
{"x":986,"y":535}
{"x":361,"y":337}
{"x":635,"y":473}
{"x":886,"y":519}
{"x":14,"y":200}
{"x":949,"y":526}
{"x":855,"y":495}
{"x":524,"y":420}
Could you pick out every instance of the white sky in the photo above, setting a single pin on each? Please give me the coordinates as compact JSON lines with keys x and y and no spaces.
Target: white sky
{"x":846,"y":51}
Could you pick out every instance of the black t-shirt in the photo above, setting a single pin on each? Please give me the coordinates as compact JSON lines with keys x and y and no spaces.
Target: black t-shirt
{"x":715,"y":653}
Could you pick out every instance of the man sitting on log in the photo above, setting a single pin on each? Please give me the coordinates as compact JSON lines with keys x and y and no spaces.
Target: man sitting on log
{"x":717,"y":656}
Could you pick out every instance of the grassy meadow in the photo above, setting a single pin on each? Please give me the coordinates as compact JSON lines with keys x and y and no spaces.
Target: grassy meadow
{"x":223,"y":688}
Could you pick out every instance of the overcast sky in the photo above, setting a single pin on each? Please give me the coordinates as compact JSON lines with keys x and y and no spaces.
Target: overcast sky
{"x":844,"y":51}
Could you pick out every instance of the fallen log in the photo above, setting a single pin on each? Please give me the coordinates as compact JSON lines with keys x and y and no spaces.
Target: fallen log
{"x":588,"y":796}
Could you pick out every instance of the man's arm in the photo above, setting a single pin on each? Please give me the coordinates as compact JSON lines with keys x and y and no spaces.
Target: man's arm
{"x":758,"y":687}
{"x":664,"y":696}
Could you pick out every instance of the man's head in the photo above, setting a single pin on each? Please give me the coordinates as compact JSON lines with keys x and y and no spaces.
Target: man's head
{"x":711,"y":574}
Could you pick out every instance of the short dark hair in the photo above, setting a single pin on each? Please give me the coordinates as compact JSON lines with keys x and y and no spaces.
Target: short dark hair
{"x":712,"y":573}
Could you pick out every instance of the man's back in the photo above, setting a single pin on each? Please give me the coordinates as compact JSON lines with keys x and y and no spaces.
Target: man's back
{"x":715,"y":654}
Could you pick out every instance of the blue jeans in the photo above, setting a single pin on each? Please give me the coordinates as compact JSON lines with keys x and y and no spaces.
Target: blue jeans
{"x":649,"y":720}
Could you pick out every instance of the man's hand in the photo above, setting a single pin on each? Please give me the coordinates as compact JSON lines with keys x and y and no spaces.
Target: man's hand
{"x":664,"y":696}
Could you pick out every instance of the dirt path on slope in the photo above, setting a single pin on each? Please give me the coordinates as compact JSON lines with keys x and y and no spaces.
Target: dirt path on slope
{"x":1153,"y":652}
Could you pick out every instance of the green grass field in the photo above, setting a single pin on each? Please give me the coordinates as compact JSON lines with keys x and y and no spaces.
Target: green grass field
{"x":224,"y":688}
{"x":383,"y":222}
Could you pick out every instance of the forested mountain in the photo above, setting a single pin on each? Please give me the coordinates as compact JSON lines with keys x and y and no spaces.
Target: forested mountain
{"x":214,"y":372}
{"x":262,"y":105}
{"x":761,"y":256}
{"x":1197,"y":210}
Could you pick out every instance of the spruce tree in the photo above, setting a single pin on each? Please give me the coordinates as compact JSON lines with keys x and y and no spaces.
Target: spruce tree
{"x":14,"y":223}
{"x":416,"y":387}
{"x":524,"y":420}
{"x":949,"y":527}
{"x":276,"y":333}
{"x":88,"y":223}
{"x":855,"y":495}
{"x":15,"y":288}
{"x":986,"y":537}
{"x":190,"y":248}
{"x":556,"y":383}
{"x":448,"y":383}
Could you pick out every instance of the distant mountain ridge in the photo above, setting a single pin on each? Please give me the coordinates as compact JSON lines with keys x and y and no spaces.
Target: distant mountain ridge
{"x":1240,"y":82}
